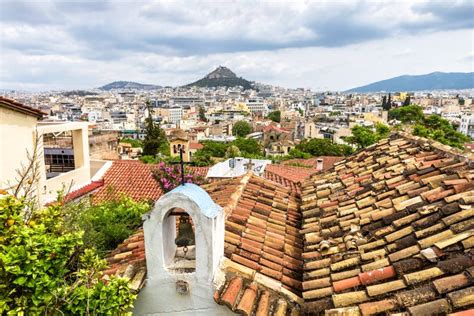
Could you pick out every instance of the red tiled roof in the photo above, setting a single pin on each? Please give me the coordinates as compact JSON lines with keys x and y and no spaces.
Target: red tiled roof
{"x":288,"y":176}
{"x":275,"y":128}
{"x":248,"y":298}
{"x":17,"y":106}
{"x":87,"y":189}
{"x":262,"y":232}
{"x":195,"y":146}
{"x":328,"y":161}
{"x":134,"y":179}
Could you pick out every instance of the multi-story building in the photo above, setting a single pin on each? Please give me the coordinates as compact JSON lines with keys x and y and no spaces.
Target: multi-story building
{"x":256,"y":105}
{"x":467,"y":125}
{"x":72,"y":167}
{"x":175,"y":114}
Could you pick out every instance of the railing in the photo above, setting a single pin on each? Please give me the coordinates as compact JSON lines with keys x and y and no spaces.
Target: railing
{"x":60,"y":168}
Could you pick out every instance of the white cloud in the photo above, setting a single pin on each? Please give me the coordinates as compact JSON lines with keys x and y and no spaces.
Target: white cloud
{"x":322,"y":44}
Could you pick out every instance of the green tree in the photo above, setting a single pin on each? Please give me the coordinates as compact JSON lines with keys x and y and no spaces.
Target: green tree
{"x":275,"y":116}
{"x":407,"y":114}
{"x":384,"y":103}
{"x":241,"y":129}
{"x":155,"y":139}
{"x":44,"y":269}
{"x":213,"y":149}
{"x":407,"y":101}
{"x":249,"y":148}
{"x":298,"y":154}
{"x":365,"y":136}
{"x":323,"y":147}
{"x":441,"y":130}
{"x":232,"y":152}
{"x":202,"y":114}
{"x":201,"y":159}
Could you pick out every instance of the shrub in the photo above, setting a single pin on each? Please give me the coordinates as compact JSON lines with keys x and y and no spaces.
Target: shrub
{"x":107,"y":224}
{"x":169,"y":177}
{"x":44,"y":268}
{"x":134,"y":142}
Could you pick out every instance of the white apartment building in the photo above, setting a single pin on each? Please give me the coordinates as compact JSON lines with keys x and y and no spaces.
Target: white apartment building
{"x":22,"y":133}
{"x":467,"y":125}
{"x":175,"y":114}
{"x":256,"y":105}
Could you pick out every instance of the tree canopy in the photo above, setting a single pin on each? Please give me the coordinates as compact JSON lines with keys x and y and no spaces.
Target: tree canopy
{"x":432,"y":126}
{"x":441,"y":130}
{"x":202,"y":114}
{"x":275,"y":116}
{"x":248,"y":148}
{"x":155,"y":139}
{"x":363,"y":136}
{"x":323,"y":147}
{"x":407,"y":114}
{"x":241,"y":129}
{"x":232,"y":152}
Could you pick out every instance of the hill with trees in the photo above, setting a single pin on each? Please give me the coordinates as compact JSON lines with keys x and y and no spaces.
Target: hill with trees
{"x":222,"y":77}
{"x":431,"y":81}
{"x":128,"y":85}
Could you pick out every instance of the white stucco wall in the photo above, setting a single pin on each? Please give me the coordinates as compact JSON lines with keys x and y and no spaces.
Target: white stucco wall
{"x":16,"y":136}
{"x":159,"y":296}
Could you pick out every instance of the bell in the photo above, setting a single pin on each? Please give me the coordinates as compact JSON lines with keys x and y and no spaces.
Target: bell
{"x":185,"y":233}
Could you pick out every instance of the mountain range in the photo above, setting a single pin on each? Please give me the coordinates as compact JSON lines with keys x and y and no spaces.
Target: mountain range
{"x":119,"y":85}
{"x":431,"y":81}
{"x":222,"y":77}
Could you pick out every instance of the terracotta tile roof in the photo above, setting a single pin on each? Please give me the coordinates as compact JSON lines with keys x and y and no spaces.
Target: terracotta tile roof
{"x":85,"y":190}
{"x":390,"y":229}
{"x":288,"y":176}
{"x":248,"y":297}
{"x":262,"y":233}
{"x":19,"y":107}
{"x":135,"y":179}
{"x":275,"y":128}
{"x":195,"y":146}
{"x":328,"y":161}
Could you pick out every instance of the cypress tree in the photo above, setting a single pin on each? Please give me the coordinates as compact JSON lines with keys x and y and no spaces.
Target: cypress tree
{"x":155,"y":138}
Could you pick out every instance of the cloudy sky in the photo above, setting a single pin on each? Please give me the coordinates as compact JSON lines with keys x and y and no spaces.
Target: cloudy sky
{"x":71,"y":44}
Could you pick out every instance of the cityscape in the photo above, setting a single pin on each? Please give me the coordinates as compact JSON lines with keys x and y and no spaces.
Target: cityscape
{"x":268,"y":158}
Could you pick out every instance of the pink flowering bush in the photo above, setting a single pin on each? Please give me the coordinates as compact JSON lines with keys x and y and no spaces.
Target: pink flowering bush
{"x":169,"y":177}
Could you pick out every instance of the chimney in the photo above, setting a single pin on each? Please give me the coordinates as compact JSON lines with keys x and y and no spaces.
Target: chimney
{"x":319,"y":164}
